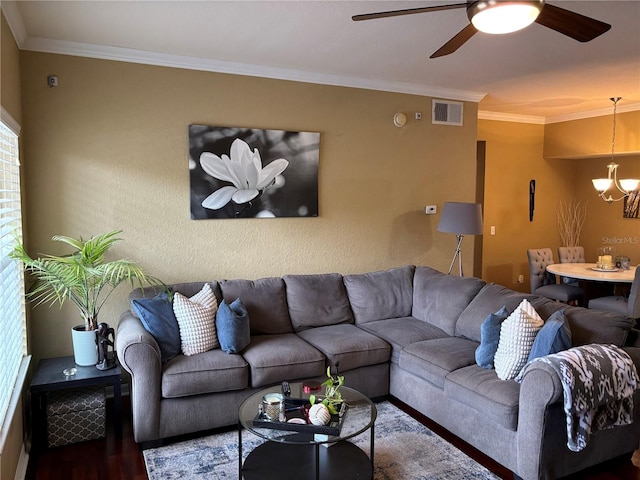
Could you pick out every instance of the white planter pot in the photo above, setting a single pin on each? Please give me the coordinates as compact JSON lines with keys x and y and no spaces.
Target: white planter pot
{"x":85,"y":348}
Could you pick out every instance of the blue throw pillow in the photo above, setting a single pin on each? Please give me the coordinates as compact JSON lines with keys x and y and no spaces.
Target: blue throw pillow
{"x":157,"y":317}
{"x":232,"y":325}
{"x":489,"y":337}
{"x":553,"y":337}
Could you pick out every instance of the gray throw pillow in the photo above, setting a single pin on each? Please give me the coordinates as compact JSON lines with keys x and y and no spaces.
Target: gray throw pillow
{"x":489,"y":337}
{"x":232,"y":324}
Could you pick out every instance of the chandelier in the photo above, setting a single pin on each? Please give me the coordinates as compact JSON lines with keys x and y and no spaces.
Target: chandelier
{"x":625,"y":185}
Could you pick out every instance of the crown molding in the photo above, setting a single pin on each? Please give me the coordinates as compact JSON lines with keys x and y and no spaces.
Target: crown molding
{"x":510,"y":117}
{"x":195,"y":63}
{"x":600,"y":112}
{"x":14,"y":19}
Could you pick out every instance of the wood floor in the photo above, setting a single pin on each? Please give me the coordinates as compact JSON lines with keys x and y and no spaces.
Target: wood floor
{"x":112,"y":458}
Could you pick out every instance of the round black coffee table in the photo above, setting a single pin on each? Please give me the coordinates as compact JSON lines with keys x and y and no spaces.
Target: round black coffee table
{"x":302,"y":455}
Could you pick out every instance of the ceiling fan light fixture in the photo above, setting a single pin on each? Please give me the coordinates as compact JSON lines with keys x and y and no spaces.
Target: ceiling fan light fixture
{"x":497,"y":17}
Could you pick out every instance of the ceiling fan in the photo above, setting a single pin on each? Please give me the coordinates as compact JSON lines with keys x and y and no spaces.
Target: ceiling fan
{"x":505,"y":16}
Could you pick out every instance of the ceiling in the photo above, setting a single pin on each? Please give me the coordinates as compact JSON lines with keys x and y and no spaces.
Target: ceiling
{"x":536,"y":72}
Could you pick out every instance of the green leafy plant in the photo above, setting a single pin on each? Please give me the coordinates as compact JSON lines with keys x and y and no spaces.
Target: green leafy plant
{"x":83,"y":277}
{"x":332,"y":398}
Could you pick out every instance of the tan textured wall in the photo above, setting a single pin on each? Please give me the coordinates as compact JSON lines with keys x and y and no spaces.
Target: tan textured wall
{"x":513,"y":158}
{"x":592,"y":136}
{"x":107,"y":149}
{"x":10,"y":99}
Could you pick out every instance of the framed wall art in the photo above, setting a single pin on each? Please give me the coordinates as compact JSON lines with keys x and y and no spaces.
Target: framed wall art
{"x":632,"y":205}
{"x":240,"y":172}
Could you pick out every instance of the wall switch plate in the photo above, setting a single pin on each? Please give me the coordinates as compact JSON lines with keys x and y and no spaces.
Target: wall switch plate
{"x":493,"y":229}
{"x":520,"y":278}
{"x":430,"y":209}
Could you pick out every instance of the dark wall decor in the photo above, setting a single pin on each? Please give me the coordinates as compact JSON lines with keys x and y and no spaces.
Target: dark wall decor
{"x":250,"y":173}
{"x":632,"y":205}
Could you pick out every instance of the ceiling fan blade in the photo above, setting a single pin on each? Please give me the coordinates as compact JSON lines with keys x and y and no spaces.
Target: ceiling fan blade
{"x":456,"y":42}
{"x":408,"y":11}
{"x":574,"y":25}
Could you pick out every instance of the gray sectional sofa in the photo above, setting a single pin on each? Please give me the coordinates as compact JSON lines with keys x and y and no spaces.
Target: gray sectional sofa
{"x":410,"y":332}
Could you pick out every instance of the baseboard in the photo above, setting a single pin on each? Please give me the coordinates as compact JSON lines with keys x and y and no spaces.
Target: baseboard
{"x":23,"y":463}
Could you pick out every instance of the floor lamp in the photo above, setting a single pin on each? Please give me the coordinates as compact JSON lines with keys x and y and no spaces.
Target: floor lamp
{"x":461,"y":219}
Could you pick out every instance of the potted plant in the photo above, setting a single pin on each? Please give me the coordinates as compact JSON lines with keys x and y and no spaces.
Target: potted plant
{"x":333,"y":397}
{"x":85,"y":278}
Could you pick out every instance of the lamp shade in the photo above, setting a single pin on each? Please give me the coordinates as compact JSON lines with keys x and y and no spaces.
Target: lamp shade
{"x":461,"y":218}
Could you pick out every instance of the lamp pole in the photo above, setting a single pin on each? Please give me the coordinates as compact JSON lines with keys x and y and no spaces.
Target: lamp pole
{"x":457,"y":255}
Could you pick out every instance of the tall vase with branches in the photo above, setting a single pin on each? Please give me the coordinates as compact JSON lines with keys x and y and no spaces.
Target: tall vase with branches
{"x":570,"y":216}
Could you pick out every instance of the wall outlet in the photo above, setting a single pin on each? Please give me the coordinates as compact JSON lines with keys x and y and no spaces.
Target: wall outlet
{"x":520,"y":278}
{"x":430,"y":209}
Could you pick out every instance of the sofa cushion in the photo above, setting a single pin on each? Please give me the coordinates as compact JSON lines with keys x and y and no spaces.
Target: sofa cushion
{"x":481,"y":390}
{"x":377,"y":295}
{"x":517,"y":334}
{"x":232,"y":326}
{"x":596,"y":326}
{"x":196,"y":318}
{"x":433,"y":360}
{"x":274,"y":358}
{"x":490,"y":299}
{"x":209,"y":372}
{"x":490,"y":337}
{"x":440,"y":299}
{"x":349,"y":345}
{"x":400,"y":332}
{"x":266,"y":303}
{"x":157,"y":317}
{"x":317,"y":300}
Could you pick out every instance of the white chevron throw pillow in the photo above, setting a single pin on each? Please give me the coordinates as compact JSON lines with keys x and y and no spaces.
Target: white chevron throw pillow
{"x":517,"y":334}
{"x":196,"y":318}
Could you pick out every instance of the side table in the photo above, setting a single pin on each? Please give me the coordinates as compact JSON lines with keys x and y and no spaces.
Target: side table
{"x":49,"y":377}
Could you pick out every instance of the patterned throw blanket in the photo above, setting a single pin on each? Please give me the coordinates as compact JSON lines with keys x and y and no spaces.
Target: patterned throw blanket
{"x":598,"y":383}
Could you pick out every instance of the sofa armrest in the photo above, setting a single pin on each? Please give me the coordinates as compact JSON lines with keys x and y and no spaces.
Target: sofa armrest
{"x":139,"y":354}
{"x":540,"y":388}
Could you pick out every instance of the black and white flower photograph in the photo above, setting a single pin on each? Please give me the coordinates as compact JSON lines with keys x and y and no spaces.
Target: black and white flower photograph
{"x":252,"y":173}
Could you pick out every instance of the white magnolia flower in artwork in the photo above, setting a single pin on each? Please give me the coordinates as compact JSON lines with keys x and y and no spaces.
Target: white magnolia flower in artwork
{"x":244,"y":170}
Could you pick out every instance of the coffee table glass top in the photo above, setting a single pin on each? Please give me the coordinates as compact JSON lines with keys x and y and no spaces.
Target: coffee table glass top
{"x":360,"y":416}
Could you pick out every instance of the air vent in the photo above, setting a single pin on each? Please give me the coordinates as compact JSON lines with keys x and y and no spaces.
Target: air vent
{"x":445,"y":112}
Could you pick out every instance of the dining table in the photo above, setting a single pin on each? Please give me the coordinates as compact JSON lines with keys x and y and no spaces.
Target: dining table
{"x":589,"y":271}
{"x":594,"y":281}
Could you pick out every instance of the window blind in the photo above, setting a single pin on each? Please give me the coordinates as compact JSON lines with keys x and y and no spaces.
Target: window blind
{"x":13,"y":344}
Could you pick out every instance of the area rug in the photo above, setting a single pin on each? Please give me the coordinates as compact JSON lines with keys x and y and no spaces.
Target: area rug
{"x":404,"y":450}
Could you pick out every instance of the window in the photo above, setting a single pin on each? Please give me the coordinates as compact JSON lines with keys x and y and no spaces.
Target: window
{"x":13,"y":343}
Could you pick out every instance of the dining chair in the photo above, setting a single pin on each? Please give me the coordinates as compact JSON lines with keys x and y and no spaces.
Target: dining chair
{"x":570,"y":255}
{"x":544,"y":283}
{"x":627,"y":306}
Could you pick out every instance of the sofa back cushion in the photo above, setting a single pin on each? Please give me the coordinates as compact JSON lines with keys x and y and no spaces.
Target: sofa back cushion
{"x":588,"y":325}
{"x":380,"y":295}
{"x":266,"y":303}
{"x":188,"y":289}
{"x":317,"y":300}
{"x":490,"y":299}
{"x":440,"y":299}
